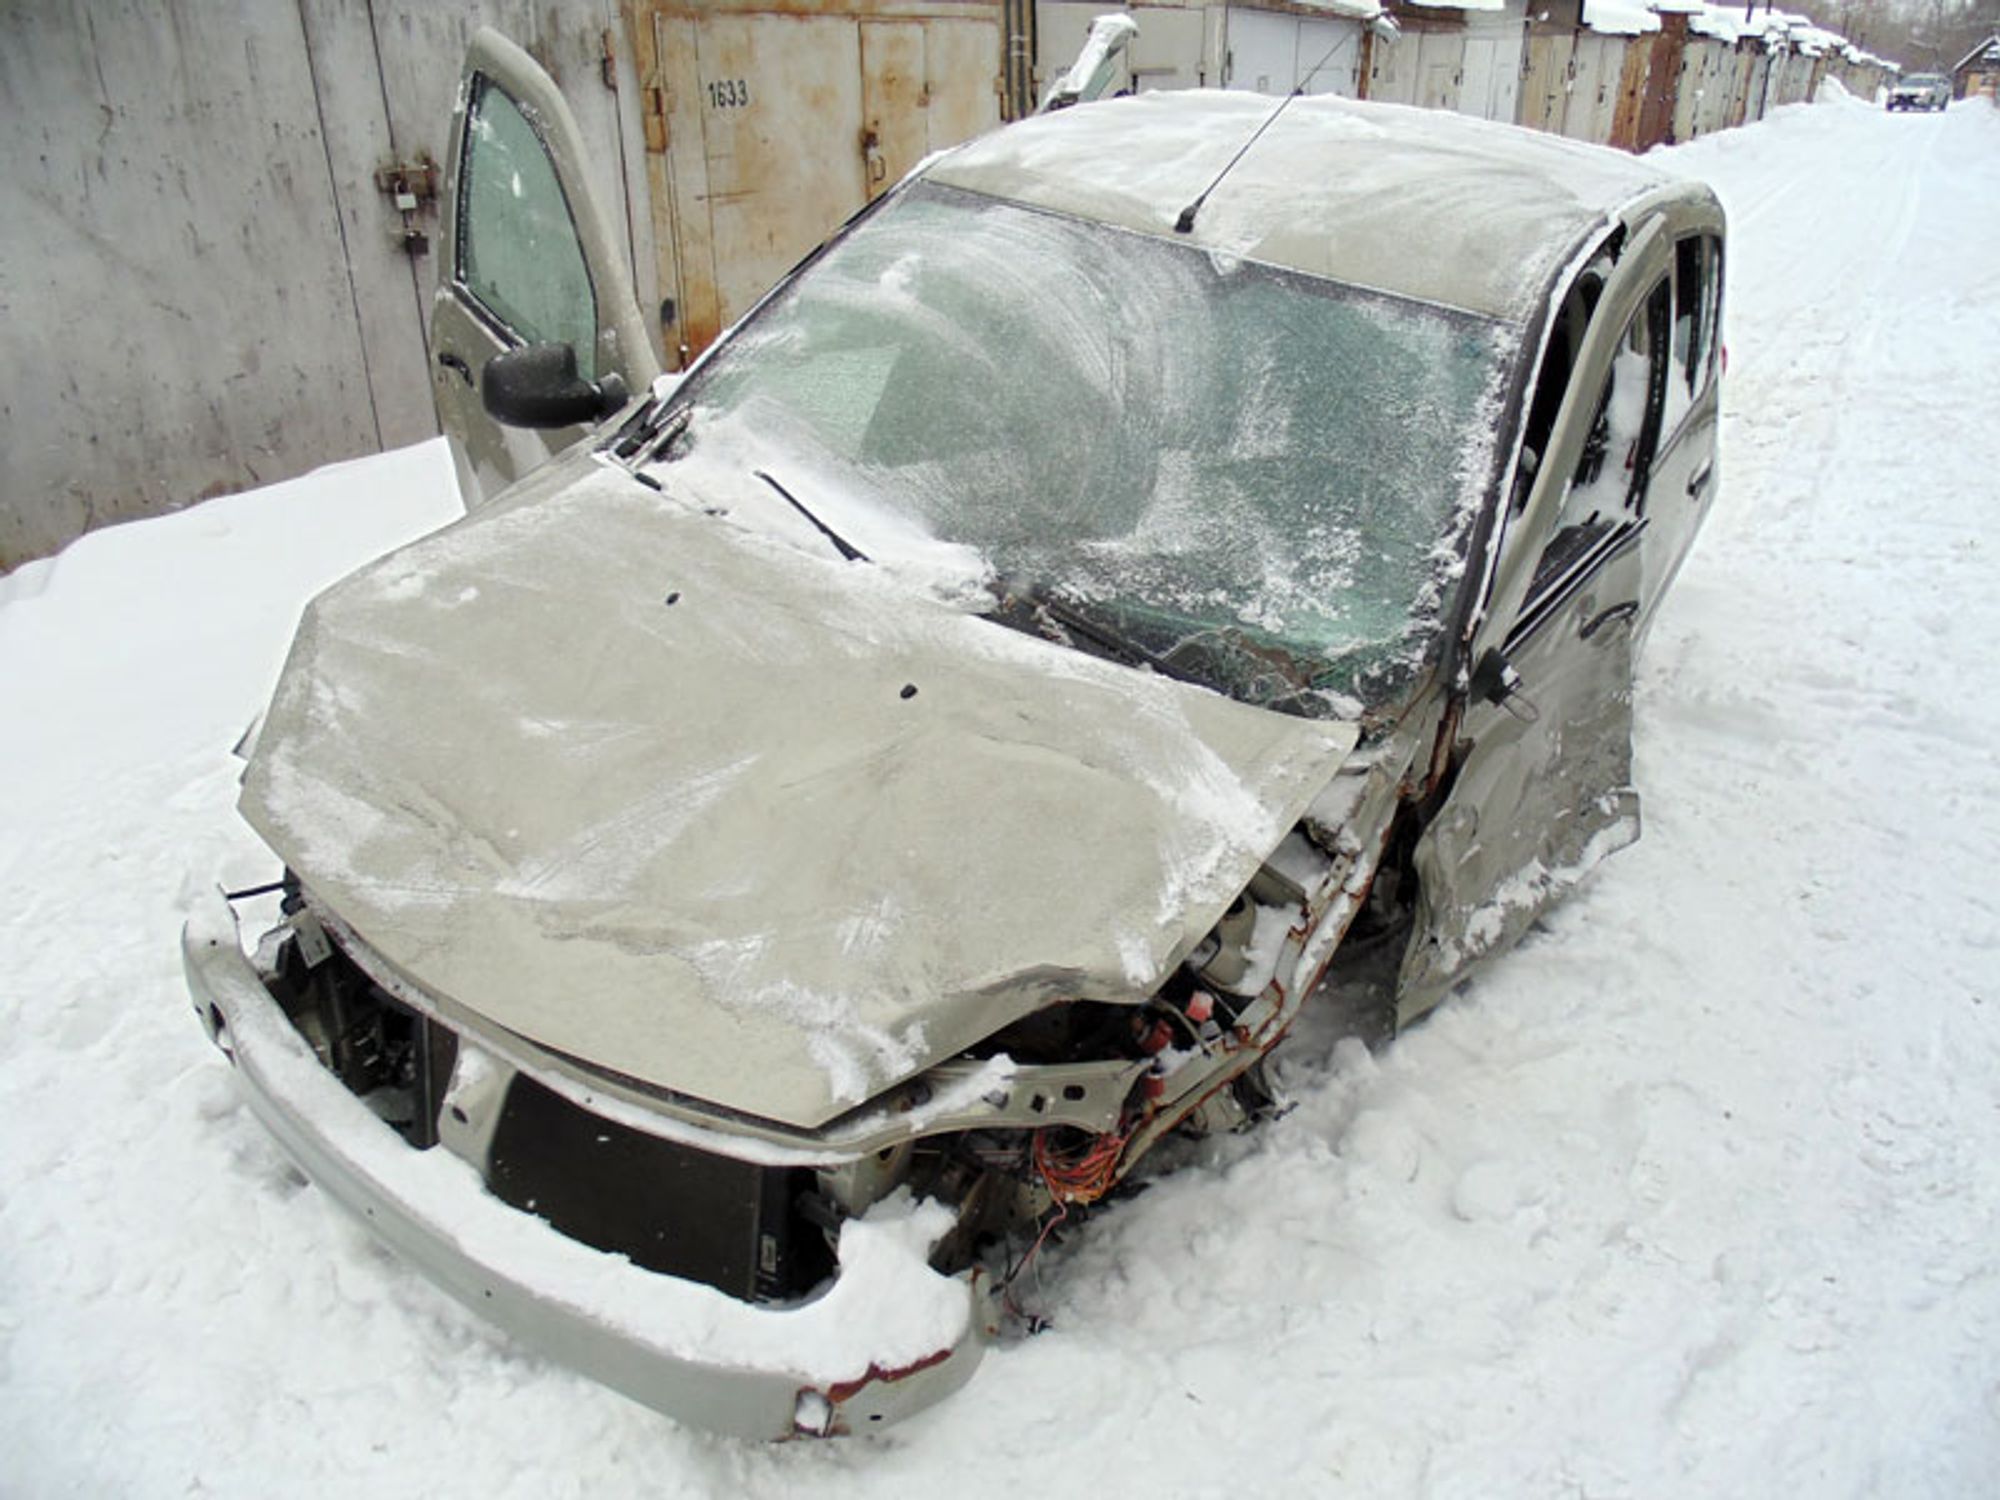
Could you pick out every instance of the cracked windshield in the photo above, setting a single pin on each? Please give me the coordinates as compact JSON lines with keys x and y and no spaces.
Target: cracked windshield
{"x":1246,"y":477}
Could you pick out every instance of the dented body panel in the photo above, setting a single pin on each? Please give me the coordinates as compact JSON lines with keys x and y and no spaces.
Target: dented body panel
{"x":796,"y":834}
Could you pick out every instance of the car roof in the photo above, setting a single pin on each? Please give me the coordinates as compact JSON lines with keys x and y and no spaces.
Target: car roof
{"x":1420,"y":203}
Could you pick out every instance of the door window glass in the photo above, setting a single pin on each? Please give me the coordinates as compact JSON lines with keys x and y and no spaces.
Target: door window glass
{"x":1697,"y":295}
{"x":1608,"y":486}
{"x":518,"y":250}
{"x":1710,"y":341}
{"x":1552,"y":380}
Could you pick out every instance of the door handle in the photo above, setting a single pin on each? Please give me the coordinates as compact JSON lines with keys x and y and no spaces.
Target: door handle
{"x":1699,"y":480}
{"x":451,"y":361}
{"x":1626,"y":611}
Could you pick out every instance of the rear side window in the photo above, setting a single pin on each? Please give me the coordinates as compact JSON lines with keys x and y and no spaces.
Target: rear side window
{"x":518,"y":251}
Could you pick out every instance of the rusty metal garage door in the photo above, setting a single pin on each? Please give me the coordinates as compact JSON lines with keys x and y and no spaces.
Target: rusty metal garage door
{"x":768,"y":124}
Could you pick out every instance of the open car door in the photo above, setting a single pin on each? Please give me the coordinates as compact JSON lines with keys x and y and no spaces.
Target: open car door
{"x":1543,"y":787}
{"x":528,"y":259}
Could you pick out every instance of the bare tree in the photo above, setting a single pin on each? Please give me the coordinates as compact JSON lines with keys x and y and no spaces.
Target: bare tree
{"x":1921,"y":35}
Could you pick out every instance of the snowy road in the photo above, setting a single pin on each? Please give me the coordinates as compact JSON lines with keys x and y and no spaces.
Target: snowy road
{"x":1696,"y":1194}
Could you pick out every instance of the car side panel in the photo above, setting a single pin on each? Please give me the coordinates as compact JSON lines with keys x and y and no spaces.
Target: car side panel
{"x":1542,"y":787}
{"x":1686,"y":476}
{"x":1536,"y":803}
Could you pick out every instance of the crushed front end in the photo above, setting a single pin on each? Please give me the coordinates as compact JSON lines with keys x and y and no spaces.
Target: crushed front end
{"x":724,"y":968}
{"x":722,"y":1289}
{"x":737,"y":1273}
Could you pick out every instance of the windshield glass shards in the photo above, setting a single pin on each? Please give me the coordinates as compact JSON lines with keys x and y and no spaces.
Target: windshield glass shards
{"x":1257,"y":479}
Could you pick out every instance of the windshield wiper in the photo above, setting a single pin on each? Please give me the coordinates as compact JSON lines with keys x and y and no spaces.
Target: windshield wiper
{"x":651,"y":431}
{"x":847,"y":549}
{"x":1053,"y":607}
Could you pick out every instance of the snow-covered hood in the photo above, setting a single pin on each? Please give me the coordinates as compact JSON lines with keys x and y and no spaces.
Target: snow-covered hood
{"x":766,"y":830}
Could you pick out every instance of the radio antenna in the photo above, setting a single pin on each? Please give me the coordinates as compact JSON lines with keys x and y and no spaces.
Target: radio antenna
{"x":1185,"y":223}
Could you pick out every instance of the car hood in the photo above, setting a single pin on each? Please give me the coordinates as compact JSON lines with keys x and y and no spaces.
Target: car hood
{"x":689,"y":804}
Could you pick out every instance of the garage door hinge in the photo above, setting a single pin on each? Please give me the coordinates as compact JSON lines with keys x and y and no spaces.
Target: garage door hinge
{"x":654,"y":112}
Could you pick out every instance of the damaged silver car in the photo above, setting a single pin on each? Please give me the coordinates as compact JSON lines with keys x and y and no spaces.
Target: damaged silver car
{"x":750,"y":878}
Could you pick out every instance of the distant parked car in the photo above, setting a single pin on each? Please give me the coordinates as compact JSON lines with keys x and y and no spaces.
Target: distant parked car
{"x":750,"y":880}
{"x":1925,"y":91}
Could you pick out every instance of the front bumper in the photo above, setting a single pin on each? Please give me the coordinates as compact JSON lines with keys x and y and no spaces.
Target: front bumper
{"x":888,"y":1338}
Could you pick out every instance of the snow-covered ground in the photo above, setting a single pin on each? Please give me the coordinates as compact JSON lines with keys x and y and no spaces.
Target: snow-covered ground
{"x":1698,"y":1193}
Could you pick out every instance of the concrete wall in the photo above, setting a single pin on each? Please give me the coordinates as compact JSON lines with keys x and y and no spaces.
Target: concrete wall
{"x":174,"y":327}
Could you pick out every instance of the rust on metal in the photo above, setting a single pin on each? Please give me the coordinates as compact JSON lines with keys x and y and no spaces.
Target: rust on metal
{"x":843,"y":1391}
{"x":769,"y":122}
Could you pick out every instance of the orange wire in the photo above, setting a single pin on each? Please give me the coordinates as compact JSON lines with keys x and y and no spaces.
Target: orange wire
{"x":1083,"y":1178}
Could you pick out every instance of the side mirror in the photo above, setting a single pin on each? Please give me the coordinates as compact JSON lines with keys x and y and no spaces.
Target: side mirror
{"x":538,"y":386}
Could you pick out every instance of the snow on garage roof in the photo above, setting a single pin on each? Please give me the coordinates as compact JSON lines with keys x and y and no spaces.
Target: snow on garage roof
{"x":1796,"y":31}
{"x":1718,"y":21}
{"x":1421,"y":203}
{"x":1619,"y":17}
{"x":1989,"y":49}
{"x":1355,"y":10}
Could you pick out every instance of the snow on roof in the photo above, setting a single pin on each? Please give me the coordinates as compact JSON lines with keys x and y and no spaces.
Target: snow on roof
{"x":1461,"y":4}
{"x":1619,"y":17}
{"x":1988,"y":49}
{"x":1776,"y":27}
{"x":1359,"y":10}
{"x":1337,"y":188}
{"x":1720,"y":22}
